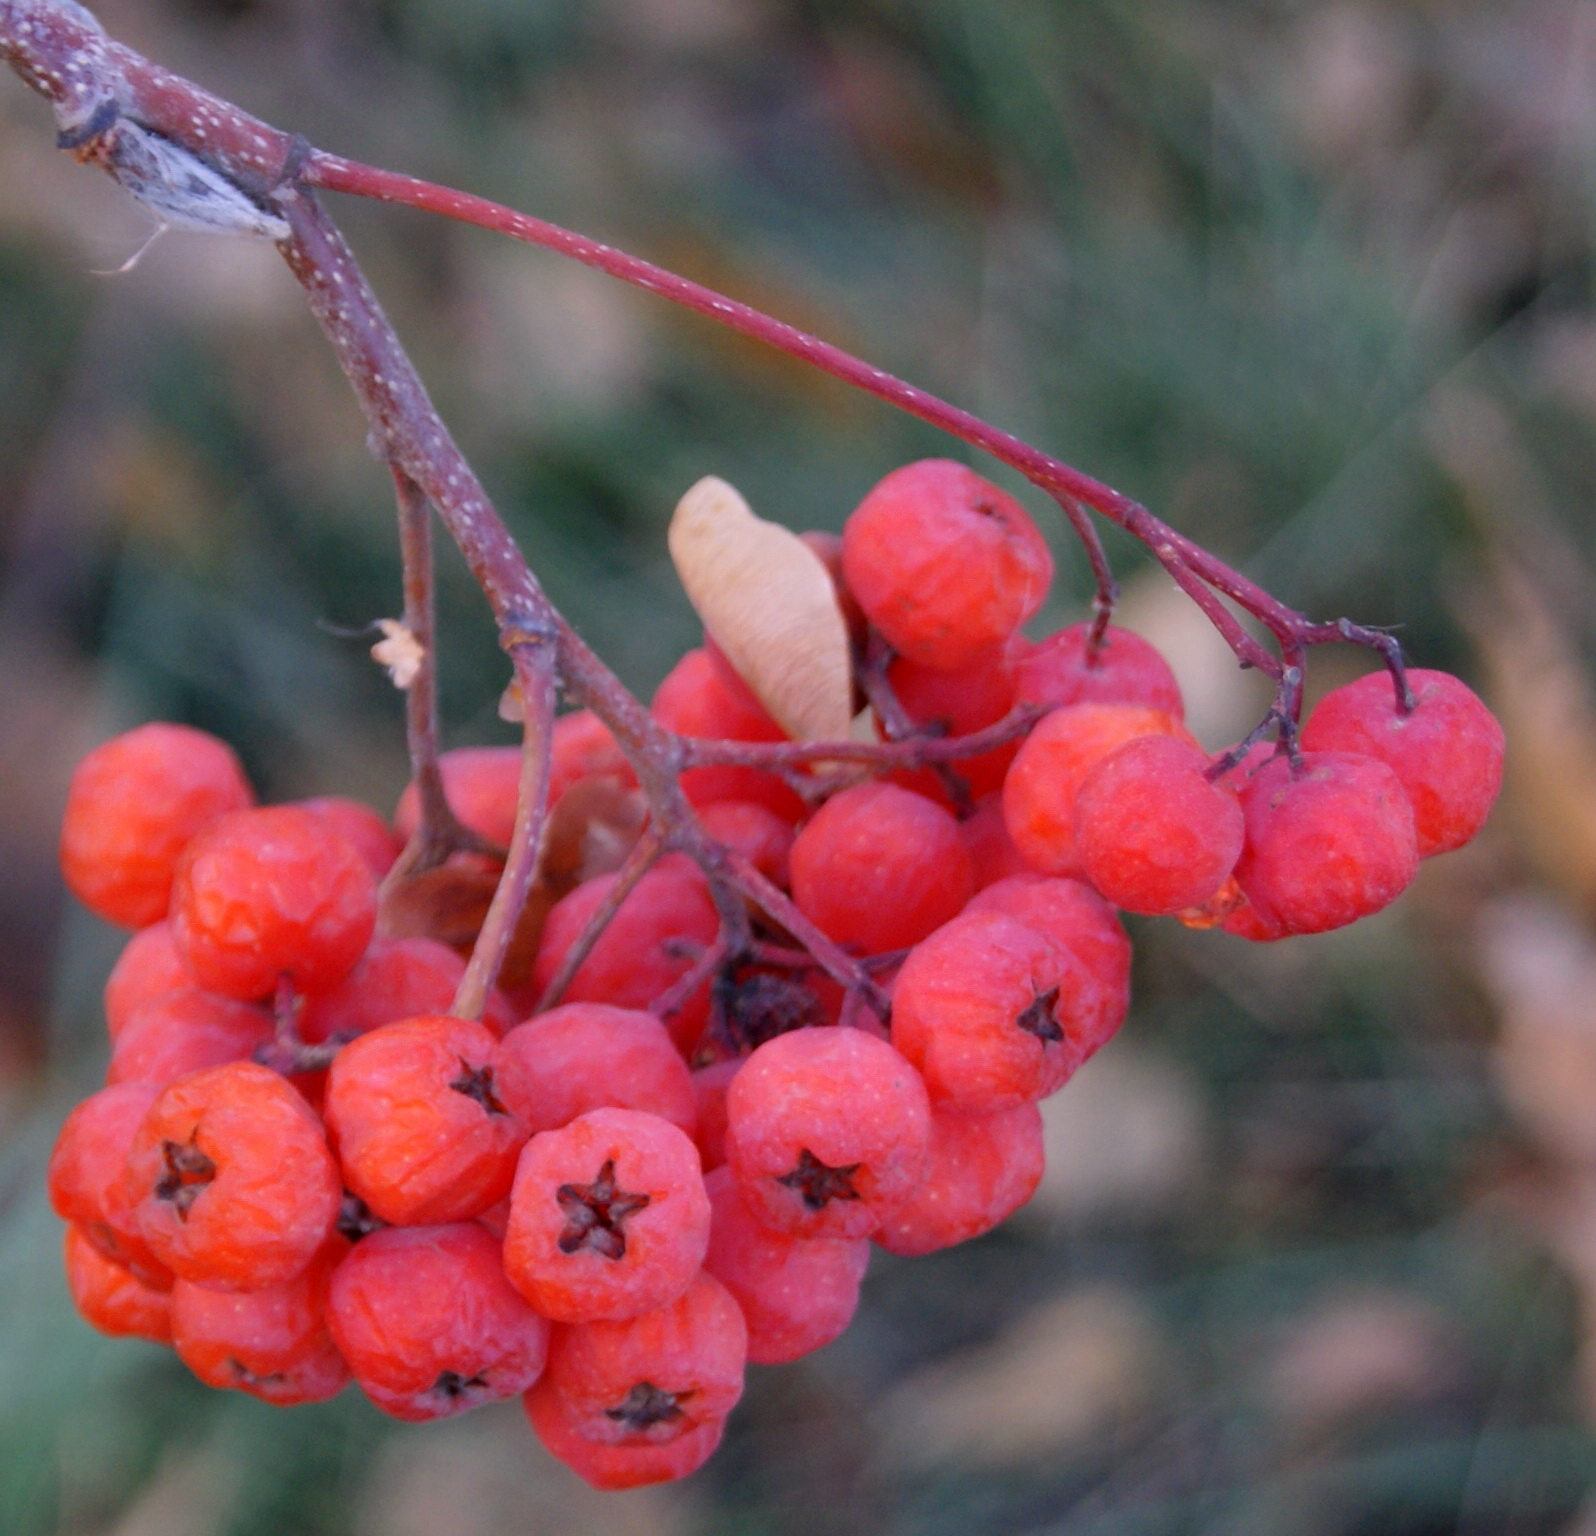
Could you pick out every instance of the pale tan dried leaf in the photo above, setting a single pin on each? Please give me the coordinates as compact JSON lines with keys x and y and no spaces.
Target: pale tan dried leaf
{"x":770,"y":605}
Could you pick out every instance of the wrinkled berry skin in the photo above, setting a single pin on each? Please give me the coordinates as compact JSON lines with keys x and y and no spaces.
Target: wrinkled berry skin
{"x":1326,"y":844}
{"x":272,"y":1343}
{"x":1151,"y":832}
{"x":824,"y":1128}
{"x":1040,"y":791}
{"x":608,"y":1467}
{"x":414,"y":1113}
{"x":1447,"y":752}
{"x":429,"y":1324}
{"x":608,"y":1217}
{"x":231,"y":1179}
{"x":272,"y":892}
{"x":585,"y":1056}
{"x":944,"y":563}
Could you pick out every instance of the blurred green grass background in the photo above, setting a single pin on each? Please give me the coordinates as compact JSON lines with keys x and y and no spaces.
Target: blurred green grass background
{"x":1313,"y":280}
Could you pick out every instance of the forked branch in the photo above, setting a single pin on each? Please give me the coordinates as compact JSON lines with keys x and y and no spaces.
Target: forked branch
{"x":197,"y":161}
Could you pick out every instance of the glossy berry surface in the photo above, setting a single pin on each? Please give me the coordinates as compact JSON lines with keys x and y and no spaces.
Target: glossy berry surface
{"x":944,"y":563}
{"x":132,"y":807}
{"x":1447,"y":752}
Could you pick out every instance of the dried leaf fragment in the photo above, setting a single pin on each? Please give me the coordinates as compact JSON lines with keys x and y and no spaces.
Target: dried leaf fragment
{"x":770,"y":605}
{"x":399,"y":651}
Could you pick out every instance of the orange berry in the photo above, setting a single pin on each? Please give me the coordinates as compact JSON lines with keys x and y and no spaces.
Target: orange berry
{"x":111,"y":1297}
{"x":133,"y":805}
{"x":413,"y":1109}
{"x":274,"y":892}
{"x":231,"y":1179}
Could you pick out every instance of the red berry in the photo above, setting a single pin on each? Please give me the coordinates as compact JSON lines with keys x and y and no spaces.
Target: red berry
{"x":429,"y":1324}
{"x":583,"y":747}
{"x":796,"y":1293}
{"x":826,"y":1128}
{"x":945,"y":564}
{"x":396,"y":979}
{"x":413,"y":1109}
{"x":361,"y":827}
{"x":710,"y":1086}
{"x":608,"y":1217}
{"x":232,"y":1180}
{"x":1447,"y":752}
{"x":272,"y":1343}
{"x":261,"y":894}
{"x":993,"y":855}
{"x":112,"y":1298}
{"x":641,"y":954}
{"x":755,"y":833}
{"x":878,"y":868}
{"x":133,"y":805}
{"x":702,"y":700}
{"x":993,"y":1013}
{"x":1039,"y":793}
{"x":653,"y":1379}
{"x":1326,"y":845}
{"x":631,"y":1465}
{"x":1074,"y":915}
{"x":86,"y":1178}
{"x":183,"y":1031}
{"x":480,"y":784}
{"x":983,"y":1168}
{"x":588,"y":1056}
{"x":1152,"y":833}
{"x":959,"y":703}
{"x":148,"y":966}
{"x":1126,"y":669}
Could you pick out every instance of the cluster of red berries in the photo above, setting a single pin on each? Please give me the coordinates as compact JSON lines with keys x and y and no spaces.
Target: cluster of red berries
{"x":304,"y":1170}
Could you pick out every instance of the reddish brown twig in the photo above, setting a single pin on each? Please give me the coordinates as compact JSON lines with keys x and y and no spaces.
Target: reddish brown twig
{"x":645,"y":853}
{"x":533,"y":659}
{"x":198,"y":161}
